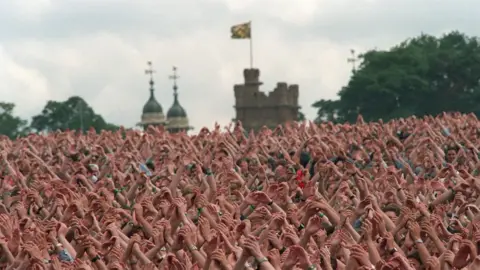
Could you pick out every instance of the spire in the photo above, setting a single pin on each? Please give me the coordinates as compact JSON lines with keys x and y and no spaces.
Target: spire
{"x":152,"y":113}
{"x":176,"y":115}
{"x":174,"y":77}
{"x":150,"y":72}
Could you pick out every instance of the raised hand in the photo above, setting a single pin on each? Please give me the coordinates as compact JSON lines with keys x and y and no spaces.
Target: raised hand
{"x":252,"y":247}
{"x":257,"y":197}
{"x":278,"y":221}
{"x":62,"y":229}
{"x":274,"y":240}
{"x":367,"y":229}
{"x":188,"y":235}
{"x":218,"y":256}
{"x":273,"y":257}
{"x":174,"y":263}
{"x":314,"y":207}
{"x":301,"y":255}
{"x":465,"y":255}
{"x":433,"y":263}
{"x":380,"y":222}
{"x":414,"y":230}
{"x":211,"y":245}
{"x":360,"y":255}
{"x":314,"y":225}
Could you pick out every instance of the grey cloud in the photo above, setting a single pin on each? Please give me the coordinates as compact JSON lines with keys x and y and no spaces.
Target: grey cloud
{"x":393,"y":20}
{"x":72,"y":18}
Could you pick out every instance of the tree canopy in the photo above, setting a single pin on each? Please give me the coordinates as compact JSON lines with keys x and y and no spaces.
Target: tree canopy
{"x":73,"y":114}
{"x":301,"y":116}
{"x":420,"y":76}
{"x":10,"y":125}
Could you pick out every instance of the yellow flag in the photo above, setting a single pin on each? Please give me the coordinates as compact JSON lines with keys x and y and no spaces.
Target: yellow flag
{"x":241,"y":31}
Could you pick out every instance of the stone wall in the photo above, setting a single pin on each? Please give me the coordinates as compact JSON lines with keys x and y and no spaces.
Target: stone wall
{"x":178,"y":123}
{"x":255,"y":108}
{"x":153,"y":118}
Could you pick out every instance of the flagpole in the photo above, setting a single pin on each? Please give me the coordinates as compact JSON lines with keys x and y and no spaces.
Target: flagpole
{"x":251,"y":46}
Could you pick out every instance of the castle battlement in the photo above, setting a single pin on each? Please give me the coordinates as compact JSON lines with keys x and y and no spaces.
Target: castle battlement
{"x":272,"y":108}
{"x":248,"y":94}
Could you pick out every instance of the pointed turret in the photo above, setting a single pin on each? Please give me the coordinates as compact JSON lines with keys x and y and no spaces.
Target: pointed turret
{"x":152,"y":114}
{"x":176,"y":116}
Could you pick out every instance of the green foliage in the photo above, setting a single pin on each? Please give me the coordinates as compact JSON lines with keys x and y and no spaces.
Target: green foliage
{"x":73,"y":114}
{"x":326,"y":110}
{"x":10,"y":125}
{"x":420,"y":76}
{"x":301,"y":117}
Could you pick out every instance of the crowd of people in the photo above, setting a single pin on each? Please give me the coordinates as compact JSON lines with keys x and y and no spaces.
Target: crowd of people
{"x":396,"y":195}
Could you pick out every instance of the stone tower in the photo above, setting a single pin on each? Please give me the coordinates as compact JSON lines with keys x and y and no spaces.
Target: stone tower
{"x":177,"y":120}
{"x":152,"y":114}
{"x":256,"y":109}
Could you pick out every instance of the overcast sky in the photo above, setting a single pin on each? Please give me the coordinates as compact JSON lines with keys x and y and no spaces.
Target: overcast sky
{"x":98,"y":49}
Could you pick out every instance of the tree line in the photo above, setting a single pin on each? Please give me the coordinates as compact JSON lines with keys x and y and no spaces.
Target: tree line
{"x":424,"y":75}
{"x":71,"y":114}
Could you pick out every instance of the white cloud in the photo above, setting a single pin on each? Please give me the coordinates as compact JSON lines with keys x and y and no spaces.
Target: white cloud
{"x":99,"y":49}
{"x":299,"y":12}
{"x":22,"y":85}
{"x":28,"y":9}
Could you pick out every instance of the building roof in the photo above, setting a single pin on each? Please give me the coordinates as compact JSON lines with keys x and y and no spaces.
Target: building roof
{"x":152,"y":113}
{"x":176,"y":110}
{"x":152,"y":105}
{"x":176,"y":116}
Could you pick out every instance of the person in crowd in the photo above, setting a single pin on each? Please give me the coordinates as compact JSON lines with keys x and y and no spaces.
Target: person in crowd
{"x":397,"y":195}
